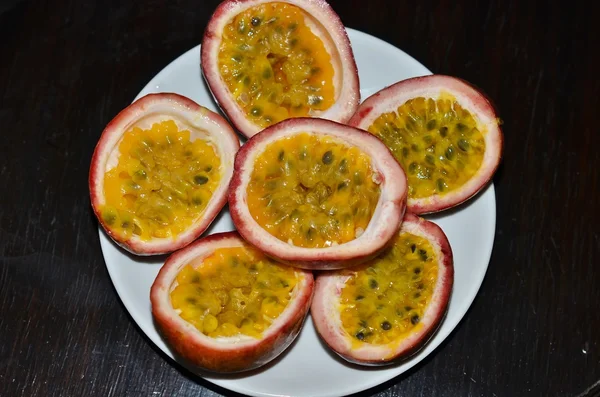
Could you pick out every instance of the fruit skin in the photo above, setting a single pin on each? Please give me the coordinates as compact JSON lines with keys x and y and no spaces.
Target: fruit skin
{"x":386,"y":219}
{"x":224,"y":356}
{"x":148,"y":109}
{"x":389,"y":98}
{"x":328,"y":290}
{"x":331,"y":27}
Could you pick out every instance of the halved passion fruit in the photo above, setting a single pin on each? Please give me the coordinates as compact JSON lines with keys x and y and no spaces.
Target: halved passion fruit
{"x":266,"y":61}
{"x":160,"y":172}
{"x":317,"y":194}
{"x":223,"y":306}
{"x":443,"y":131}
{"x":386,"y":309}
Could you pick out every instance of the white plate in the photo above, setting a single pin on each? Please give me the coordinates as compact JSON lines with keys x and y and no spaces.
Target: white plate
{"x":307,"y":368}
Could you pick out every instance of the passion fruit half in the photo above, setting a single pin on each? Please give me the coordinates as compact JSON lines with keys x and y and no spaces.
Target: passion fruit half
{"x":317,"y":194}
{"x":385,"y":310}
{"x":443,"y":131}
{"x":223,"y":306}
{"x":266,"y":61}
{"x":160,"y":172}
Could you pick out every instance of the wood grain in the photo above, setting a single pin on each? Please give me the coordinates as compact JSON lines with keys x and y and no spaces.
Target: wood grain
{"x":67,"y":67}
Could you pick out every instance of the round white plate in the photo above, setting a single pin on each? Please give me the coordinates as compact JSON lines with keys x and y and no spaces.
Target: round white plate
{"x":307,"y":368}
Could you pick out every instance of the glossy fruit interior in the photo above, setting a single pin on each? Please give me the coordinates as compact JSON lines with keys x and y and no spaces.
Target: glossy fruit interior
{"x":274,"y":65}
{"x":437,"y":142}
{"x":161,"y":184}
{"x":384,"y":300}
{"x":237,"y":290}
{"x":312,"y":191}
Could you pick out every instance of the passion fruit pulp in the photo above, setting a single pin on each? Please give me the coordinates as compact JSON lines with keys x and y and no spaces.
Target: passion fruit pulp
{"x":224,"y":306}
{"x":316,"y":193}
{"x":160,"y":172}
{"x":385,"y":310}
{"x":444,"y":132}
{"x":267,"y":61}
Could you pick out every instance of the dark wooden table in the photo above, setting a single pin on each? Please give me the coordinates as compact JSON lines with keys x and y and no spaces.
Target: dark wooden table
{"x":67,"y":67}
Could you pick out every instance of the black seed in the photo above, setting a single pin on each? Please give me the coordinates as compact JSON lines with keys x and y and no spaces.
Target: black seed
{"x":430,"y":159}
{"x":363,"y":323}
{"x":443,"y":131}
{"x":427,"y":138}
{"x":417,"y":295}
{"x":295,"y":215}
{"x":310,"y":233}
{"x":461,"y":127}
{"x":386,"y":326}
{"x":141,"y":174}
{"x":415,"y":147}
{"x":237,"y":58}
{"x":358,"y":179}
{"x":405,"y":151}
{"x":284,"y":283}
{"x":246,"y":81}
{"x":417,"y":270}
{"x":463,"y":145}
{"x":373,"y":283}
{"x":268,"y":119}
{"x":359,"y":297}
{"x":431,"y":125}
{"x":441,"y":185}
{"x":315,"y":70}
{"x":197,"y":200}
{"x":342,"y":185}
{"x":195,"y":278}
{"x":280,"y":155}
{"x":327,"y":157}
{"x":360,"y":336}
{"x":413,"y":247}
{"x":200,"y":179}
{"x":423,"y":254}
{"x":412,"y":168}
{"x":293,"y":42}
{"x":267,"y":73}
{"x":450,"y":153}
{"x":208,"y":168}
{"x":109,"y":218}
{"x":407,"y":308}
{"x":192,"y":301}
{"x":420,"y":286}
{"x":255,"y":21}
{"x":414,"y":319}
{"x":343,"y":167}
{"x":293,"y":26}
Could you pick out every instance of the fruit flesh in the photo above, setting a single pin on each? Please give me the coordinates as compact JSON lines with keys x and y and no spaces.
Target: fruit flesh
{"x":384,"y":301}
{"x":312,"y":191}
{"x":161,"y":184}
{"x":274,"y":65}
{"x":437,"y":142}
{"x":236,"y":290}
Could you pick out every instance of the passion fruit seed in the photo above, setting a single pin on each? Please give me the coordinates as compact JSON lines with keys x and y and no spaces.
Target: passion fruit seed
{"x":236,"y":290}
{"x":394,"y":290}
{"x":309,"y":199}
{"x":437,"y":163}
{"x":275,"y":69}
{"x":158,"y":188}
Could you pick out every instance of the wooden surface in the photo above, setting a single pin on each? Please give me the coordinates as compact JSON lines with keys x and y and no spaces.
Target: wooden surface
{"x":67,"y":67}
